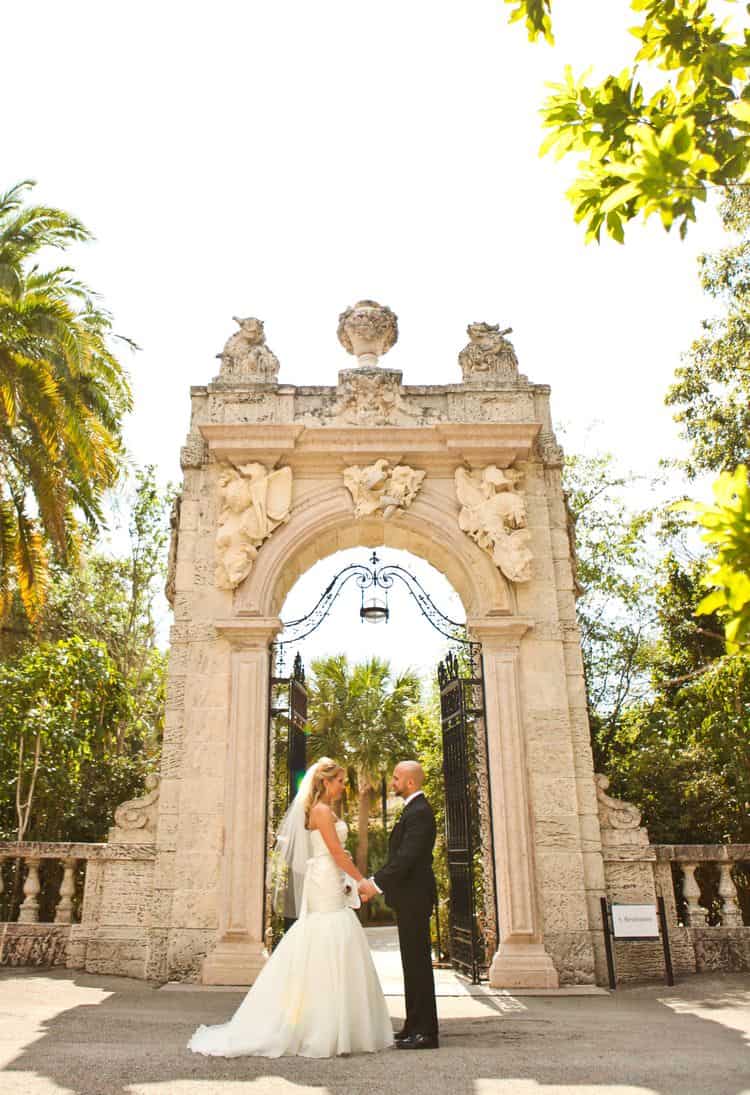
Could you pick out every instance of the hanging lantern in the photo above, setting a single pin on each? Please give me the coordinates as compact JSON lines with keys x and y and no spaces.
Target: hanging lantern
{"x":374,"y":610}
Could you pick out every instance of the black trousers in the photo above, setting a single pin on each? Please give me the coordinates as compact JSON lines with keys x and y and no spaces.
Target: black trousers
{"x":416,"y":961}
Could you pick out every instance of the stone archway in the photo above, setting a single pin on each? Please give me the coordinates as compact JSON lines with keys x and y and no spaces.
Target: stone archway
{"x":468,"y":477}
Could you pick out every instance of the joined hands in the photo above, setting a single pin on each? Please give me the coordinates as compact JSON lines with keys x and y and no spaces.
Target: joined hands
{"x":367,"y":889}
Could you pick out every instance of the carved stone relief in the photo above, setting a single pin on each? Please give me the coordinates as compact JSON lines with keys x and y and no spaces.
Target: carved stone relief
{"x":381,"y":488}
{"x":488,"y":355}
{"x":174,"y":525}
{"x":253,"y":501}
{"x":370,"y":397}
{"x":493,"y":514}
{"x":246,"y":357}
{"x":549,"y":450}
{"x":136,"y":819}
{"x":613,"y":812}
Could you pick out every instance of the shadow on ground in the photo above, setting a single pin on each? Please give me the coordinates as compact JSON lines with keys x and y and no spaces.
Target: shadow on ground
{"x":62,"y":1032}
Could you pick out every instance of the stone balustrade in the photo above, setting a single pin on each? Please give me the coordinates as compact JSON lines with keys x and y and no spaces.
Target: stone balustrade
{"x":718,"y":860}
{"x":30,"y":940}
{"x":31,"y":854}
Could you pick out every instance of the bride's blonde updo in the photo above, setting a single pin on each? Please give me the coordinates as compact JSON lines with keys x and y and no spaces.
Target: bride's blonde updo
{"x":324,"y":769}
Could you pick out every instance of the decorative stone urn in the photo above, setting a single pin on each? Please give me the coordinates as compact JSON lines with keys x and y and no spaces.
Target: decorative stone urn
{"x":368,"y":330}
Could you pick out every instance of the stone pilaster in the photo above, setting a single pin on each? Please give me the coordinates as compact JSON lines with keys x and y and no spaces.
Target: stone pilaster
{"x":238,"y":955}
{"x":521,"y":960}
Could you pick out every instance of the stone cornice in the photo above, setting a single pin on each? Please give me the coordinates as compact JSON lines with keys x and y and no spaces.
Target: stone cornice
{"x":50,"y":849}
{"x":499,"y":630}
{"x":249,"y":632}
{"x":335,"y":447}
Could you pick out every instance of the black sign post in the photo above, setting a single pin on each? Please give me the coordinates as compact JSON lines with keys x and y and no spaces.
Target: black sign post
{"x":669,"y":975}
{"x":636,"y":923}
{"x":608,"y":944}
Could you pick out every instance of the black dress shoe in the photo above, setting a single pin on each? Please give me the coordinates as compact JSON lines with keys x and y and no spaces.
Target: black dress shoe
{"x":418,"y":1041}
{"x":401,"y":1035}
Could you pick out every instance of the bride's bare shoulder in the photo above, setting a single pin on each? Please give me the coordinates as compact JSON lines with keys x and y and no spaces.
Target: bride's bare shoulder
{"x":321,"y":814}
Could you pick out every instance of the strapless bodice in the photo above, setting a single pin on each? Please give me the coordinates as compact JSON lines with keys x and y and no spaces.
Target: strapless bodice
{"x":324,"y":881}
{"x":319,"y":847}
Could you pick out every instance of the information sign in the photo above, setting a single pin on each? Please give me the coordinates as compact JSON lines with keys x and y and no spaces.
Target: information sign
{"x":635,"y":922}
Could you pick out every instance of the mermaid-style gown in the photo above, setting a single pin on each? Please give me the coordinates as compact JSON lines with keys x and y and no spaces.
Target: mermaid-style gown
{"x":318,"y":995}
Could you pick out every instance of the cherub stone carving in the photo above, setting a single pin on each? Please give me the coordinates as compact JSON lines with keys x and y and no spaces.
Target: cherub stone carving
{"x":246,"y":357}
{"x":381,"y":488}
{"x":488,"y":355}
{"x":136,"y":820}
{"x":253,"y":502}
{"x":367,"y":330}
{"x":494,"y":515}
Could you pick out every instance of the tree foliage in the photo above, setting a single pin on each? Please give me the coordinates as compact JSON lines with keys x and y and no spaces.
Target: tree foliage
{"x":659,"y":136}
{"x":82,"y":694}
{"x":615,"y":609}
{"x":711,"y":391}
{"x":360,"y":715}
{"x":63,"y":396}
{"x":727,"y":529}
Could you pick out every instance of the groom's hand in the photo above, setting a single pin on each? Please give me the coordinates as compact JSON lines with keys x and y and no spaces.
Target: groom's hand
{"x":367,"y":889}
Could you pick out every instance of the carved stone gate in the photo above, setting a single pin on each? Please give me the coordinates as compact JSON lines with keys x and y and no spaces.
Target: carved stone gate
{"x":466,"y":475}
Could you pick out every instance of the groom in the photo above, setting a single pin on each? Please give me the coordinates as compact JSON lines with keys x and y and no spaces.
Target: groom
{"x":409,"y":887}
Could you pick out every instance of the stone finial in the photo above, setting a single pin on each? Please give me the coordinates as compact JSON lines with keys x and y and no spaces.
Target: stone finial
{"x":613,"y":812}
{"x":493,"y":514}
{"x":245,"y":357}
{"x":368,"y":330}
{"x":488,"y":355}
{"x":253,"y":501}
{"x":135,"y":821}
{"x":381,"y":488}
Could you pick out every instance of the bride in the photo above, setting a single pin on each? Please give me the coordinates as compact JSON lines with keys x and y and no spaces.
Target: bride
{"x":318,"y":995}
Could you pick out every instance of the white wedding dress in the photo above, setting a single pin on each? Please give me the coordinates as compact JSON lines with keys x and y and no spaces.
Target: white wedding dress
{"x":318,"y":995}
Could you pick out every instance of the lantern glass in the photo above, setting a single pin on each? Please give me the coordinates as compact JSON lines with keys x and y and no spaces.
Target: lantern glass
{"x":374,"y":610}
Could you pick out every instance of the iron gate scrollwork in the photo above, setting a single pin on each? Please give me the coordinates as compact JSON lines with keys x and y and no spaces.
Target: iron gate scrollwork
{"x":462,"y":724}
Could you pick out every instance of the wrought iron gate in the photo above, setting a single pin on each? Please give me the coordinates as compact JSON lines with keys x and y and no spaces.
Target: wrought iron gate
{"x":473,"y":915}
{"x":462,"y":723}
{"x":287,"y":752}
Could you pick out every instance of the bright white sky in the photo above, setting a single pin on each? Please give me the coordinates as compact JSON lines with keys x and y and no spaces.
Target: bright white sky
{"x":284,"y":159}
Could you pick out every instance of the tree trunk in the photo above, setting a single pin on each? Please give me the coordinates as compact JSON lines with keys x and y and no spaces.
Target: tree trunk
{"x":363,"y":821}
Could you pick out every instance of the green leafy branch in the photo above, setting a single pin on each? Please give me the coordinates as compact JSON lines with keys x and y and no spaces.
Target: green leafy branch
{"x":660,"y":152}
{"x":727,"y":529}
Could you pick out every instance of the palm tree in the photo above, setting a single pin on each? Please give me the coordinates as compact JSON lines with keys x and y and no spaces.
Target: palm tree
{"x":360,"y":715}
{"x":63,"y":396}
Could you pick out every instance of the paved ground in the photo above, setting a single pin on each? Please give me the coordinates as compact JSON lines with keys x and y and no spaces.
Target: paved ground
{"x":63,"y":1033}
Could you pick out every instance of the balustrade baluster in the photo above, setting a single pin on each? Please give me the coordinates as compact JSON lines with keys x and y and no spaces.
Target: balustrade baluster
{"x":29,"y":911}
{"x":64,"y":911}
{"x":696,"y":914}
{"x":731,"y":914}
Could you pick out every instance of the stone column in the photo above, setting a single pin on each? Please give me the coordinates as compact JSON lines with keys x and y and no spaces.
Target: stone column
{"x":64,"y":911}
{"x":29,"y":911}
{"x":521,"y":960}
{"x":238,"y":955}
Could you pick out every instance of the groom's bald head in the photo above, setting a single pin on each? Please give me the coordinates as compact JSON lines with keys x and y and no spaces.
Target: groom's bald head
{"x":408,"y":777}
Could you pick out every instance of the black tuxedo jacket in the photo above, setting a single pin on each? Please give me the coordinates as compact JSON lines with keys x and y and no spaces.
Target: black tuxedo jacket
{"x":407,"y":879}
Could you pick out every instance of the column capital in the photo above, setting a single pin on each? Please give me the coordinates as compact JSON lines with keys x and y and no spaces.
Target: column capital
{"x":249,"y":632}
{"x":499,"y":631}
